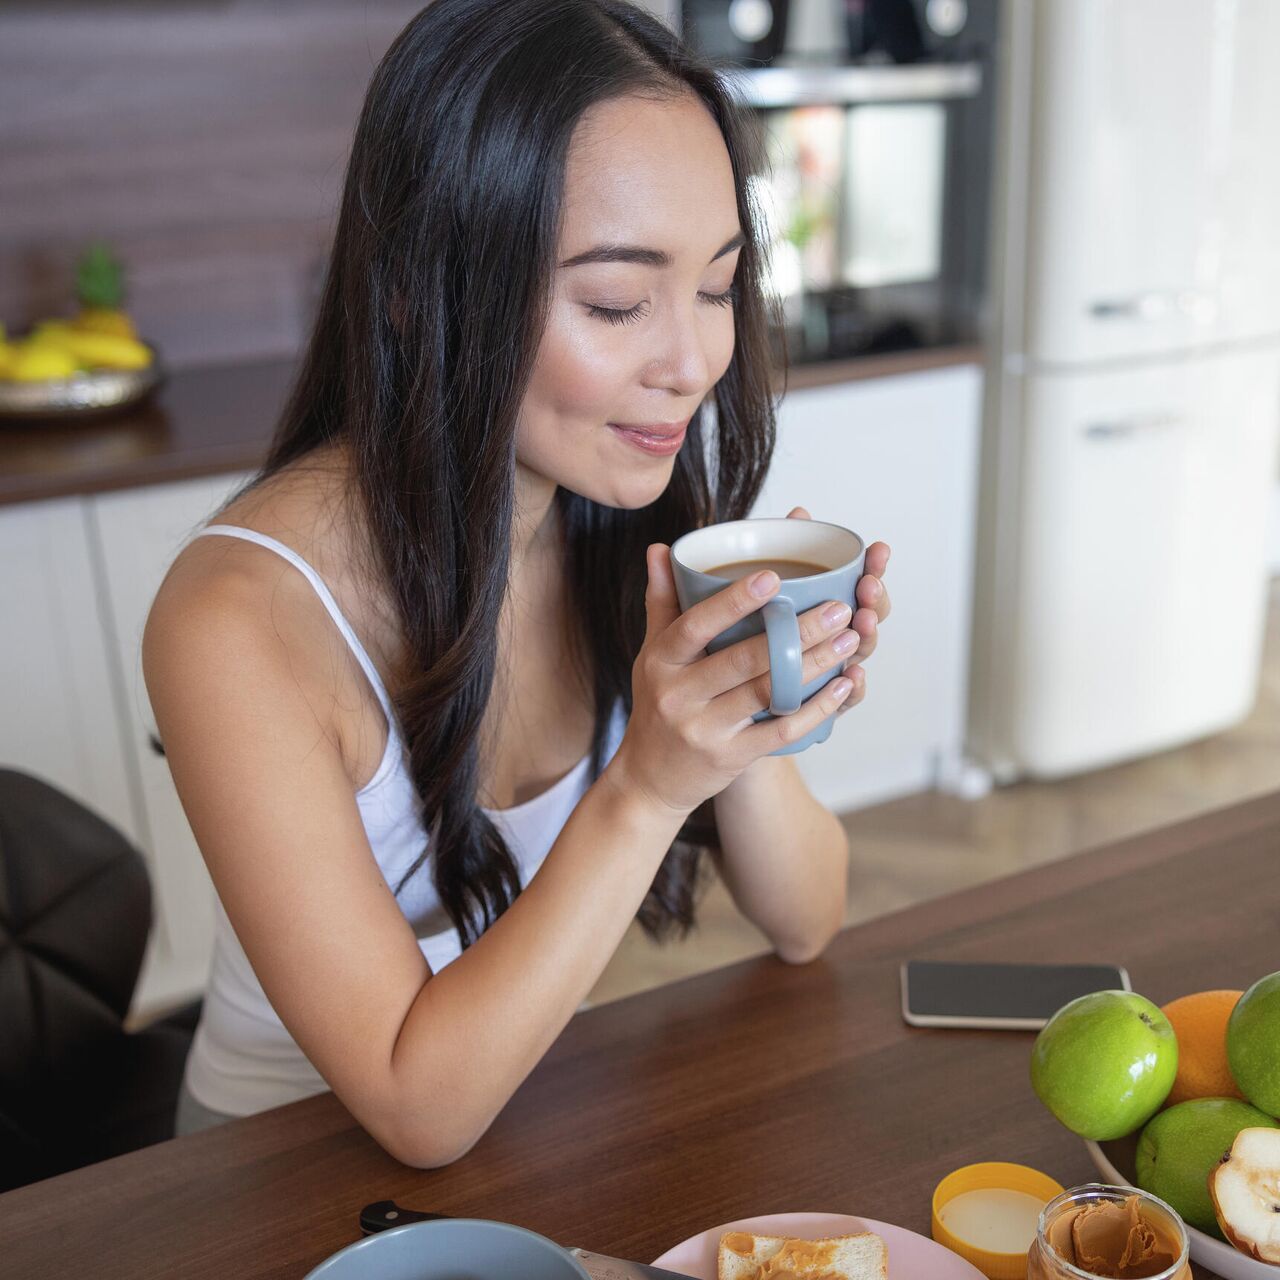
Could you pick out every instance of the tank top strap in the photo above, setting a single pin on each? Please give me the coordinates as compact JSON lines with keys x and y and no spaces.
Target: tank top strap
{"x":326,"y":599}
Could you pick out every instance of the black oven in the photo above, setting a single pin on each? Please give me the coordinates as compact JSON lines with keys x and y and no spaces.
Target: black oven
{"x":879,"y":119}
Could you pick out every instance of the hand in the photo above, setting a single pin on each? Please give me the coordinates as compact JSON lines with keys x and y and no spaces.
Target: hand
{"x":873,"y":601}
{"x":691,"y":730}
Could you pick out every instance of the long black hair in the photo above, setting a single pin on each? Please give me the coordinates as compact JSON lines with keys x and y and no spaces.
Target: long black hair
{"x":434,"y":303}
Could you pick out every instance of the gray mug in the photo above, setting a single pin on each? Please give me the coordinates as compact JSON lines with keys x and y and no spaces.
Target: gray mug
{"x":840,"y":551}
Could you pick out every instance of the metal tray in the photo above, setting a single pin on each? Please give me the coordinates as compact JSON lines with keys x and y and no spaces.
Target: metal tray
{"x":83,"y":395}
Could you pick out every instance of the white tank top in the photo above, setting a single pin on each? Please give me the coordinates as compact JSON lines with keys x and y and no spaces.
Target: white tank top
{"x":242,"y":1059}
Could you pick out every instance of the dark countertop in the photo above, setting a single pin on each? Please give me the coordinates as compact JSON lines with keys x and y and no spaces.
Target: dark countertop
{"x":219,"y":419}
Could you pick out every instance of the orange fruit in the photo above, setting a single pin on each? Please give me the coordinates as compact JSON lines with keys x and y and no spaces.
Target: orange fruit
{"x":1200,"y":1023}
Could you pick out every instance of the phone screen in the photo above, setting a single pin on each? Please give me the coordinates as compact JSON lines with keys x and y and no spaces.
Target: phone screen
{"x":1022,"y":996}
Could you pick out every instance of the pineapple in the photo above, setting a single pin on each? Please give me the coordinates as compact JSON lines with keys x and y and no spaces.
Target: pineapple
{"x":100,"y":290}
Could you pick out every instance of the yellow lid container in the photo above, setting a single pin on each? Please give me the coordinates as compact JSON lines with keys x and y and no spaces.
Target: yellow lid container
{"x":979,"y":1177}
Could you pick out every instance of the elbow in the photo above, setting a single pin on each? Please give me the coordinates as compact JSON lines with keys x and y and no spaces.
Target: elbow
{"x":426,"y":1135}
{"x":432,"y":1156}
{"x":806,"y":949}
{"x":433,"y":1149}
{"x":803,"y":951}
{"x":798,"y":954}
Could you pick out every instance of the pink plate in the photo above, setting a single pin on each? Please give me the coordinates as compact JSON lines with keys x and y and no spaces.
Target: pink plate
{"x":911,"y":1256}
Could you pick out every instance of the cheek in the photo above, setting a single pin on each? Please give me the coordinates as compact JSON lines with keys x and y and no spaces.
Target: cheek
{"x":580,"y":372}
{"x":721,"y":351}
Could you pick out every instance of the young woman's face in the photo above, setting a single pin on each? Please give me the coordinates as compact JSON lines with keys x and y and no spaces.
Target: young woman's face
{"x":633,"y":343}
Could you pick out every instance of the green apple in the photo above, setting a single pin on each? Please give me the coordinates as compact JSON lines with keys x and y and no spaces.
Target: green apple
{"x":1104,"y":1063}
{"x":1181,"y":1147}
{"x":1253,"y":1044}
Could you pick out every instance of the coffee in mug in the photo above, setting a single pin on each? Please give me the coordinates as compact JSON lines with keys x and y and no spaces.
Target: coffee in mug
{"x":783,"y":568}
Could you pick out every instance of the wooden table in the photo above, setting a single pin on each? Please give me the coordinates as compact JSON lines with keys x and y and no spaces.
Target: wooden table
{"x":759,"y":1088}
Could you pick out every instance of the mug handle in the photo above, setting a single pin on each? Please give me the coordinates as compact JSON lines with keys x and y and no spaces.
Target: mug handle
{"x":786,"y":658}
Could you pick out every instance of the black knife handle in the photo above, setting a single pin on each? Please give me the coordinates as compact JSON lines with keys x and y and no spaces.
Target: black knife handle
{"x":387,"y":1214}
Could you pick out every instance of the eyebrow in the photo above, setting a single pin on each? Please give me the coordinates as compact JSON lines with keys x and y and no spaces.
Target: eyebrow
{"x":644,"y":257}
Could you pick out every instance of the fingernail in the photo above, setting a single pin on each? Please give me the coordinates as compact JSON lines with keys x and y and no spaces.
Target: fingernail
{"x":763,"y":583}
{"x":843,"y":643}
{"x":836,"y":615}
{"x":841,"y":689}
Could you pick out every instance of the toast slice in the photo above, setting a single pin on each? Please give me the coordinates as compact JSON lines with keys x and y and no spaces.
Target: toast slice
{"x":744,"y":1256}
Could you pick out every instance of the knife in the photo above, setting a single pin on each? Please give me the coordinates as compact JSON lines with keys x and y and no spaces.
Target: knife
{"x":386,"y":1214}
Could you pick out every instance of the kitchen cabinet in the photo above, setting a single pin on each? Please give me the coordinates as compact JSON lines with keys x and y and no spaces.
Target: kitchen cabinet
{"x":895,"y":460}
{"x":59,"y":716}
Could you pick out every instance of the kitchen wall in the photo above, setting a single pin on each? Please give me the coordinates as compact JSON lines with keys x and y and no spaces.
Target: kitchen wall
{"x":206,"y":140}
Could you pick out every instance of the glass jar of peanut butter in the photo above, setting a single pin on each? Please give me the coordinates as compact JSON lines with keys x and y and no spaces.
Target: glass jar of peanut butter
{"x":1095,"y":1232}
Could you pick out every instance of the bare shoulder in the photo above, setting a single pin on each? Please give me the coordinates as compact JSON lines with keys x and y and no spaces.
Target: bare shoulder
{"x":231,"y":610}
{"x":227,"y":620}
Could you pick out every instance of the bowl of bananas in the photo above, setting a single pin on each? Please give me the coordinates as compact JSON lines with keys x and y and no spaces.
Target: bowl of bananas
{"x":89,"y":363}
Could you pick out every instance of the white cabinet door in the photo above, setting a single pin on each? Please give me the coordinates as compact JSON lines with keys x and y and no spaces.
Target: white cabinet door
{"x":58,"y":711}
{"x":1143,"y":575}
{"x":140,"y":531}
{"x":1155,"y":184}
{"x":894,"y":459}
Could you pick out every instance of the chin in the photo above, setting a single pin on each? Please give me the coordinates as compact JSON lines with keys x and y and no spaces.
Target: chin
{"x":630,"y":493}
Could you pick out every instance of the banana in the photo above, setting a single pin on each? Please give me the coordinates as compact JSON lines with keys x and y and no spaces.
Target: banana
{"x":103,"y":350}
{"x":35,"y":361}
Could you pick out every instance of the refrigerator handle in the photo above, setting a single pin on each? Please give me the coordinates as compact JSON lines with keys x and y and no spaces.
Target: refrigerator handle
{"x":1155,"y":306}
{"x":1131,"y":426}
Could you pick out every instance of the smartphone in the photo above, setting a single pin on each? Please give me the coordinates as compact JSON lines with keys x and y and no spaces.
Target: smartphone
{"x":1015,"y":997}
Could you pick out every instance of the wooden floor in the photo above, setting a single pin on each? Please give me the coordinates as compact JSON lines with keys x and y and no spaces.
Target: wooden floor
{"x":930,"y":844}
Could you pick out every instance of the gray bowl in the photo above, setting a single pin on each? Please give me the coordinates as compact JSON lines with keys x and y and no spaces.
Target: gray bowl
{"x":452,"y":1249}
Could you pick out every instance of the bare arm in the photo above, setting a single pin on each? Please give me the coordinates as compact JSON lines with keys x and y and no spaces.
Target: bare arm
{"x":784,"y":858}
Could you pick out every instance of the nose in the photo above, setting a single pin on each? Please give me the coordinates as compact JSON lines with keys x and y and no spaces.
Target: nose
{"x":680,"y":363}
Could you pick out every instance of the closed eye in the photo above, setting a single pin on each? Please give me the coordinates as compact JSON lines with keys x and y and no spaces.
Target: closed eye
{"x":632,"y":314}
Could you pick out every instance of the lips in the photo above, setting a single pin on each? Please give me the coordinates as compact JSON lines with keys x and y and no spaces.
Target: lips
{"x":655,"y":430}
{"x":662,"y":439}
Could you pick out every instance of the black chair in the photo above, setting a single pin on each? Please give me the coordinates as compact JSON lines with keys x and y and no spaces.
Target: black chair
{"x":75,"y":911}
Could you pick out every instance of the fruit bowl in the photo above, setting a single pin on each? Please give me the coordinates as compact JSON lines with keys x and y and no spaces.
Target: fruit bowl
{"x":81,"y":395}
{"x":1116,"y":1162}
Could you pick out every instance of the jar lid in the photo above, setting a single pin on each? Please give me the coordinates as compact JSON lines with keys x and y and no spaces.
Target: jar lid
{"x":999,"y":1176}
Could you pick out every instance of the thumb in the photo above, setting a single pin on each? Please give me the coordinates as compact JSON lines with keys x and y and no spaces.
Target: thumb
{"x":661,"y":605}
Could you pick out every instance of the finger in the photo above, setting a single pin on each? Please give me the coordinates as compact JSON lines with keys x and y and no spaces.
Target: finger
{"x":748,"y":659}
{"x":859,"y":678}
{"x":877,"y":560}
{"x":798,"y":513}
{"x":738,"y":705}
{"x":661,"y":606}
{"x":687,"y":635}
{"x":868,"y":632}
{"x":783,"y":731}
{"x":870,"y":592}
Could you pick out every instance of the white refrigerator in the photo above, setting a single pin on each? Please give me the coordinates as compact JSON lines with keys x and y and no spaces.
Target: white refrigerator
{"x":1130,"y":439}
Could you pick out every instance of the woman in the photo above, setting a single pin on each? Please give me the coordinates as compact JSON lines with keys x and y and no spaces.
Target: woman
{"x":434,"y":647}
